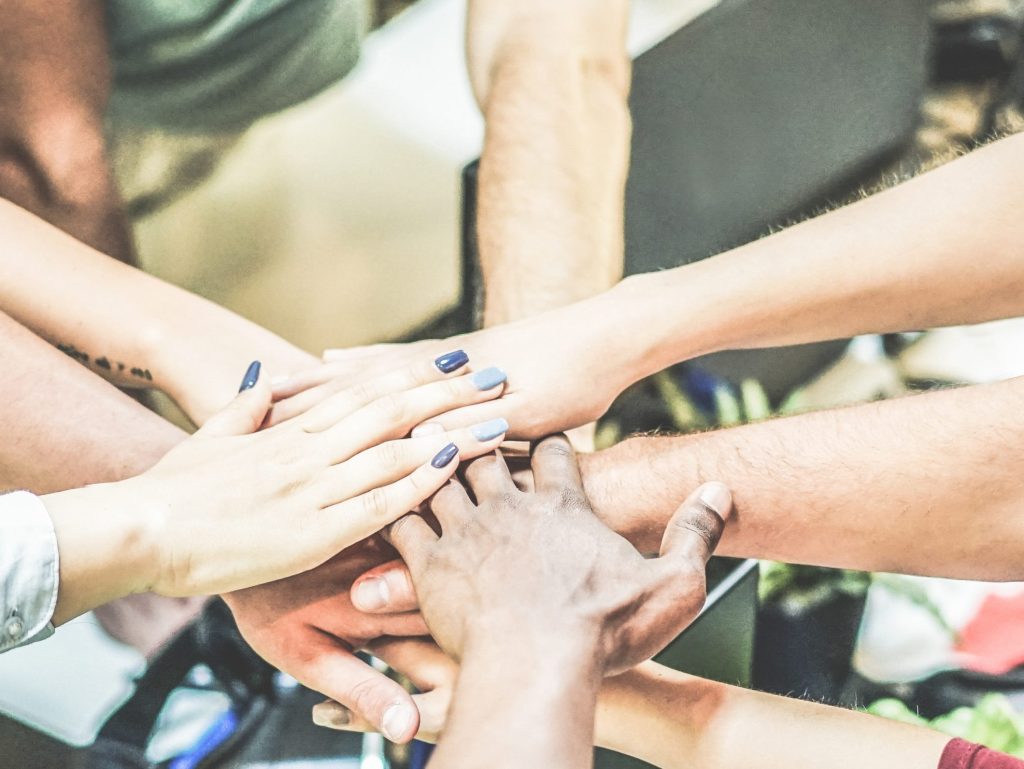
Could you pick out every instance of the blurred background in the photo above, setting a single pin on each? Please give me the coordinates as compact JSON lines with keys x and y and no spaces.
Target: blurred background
{"x":348,"y":220}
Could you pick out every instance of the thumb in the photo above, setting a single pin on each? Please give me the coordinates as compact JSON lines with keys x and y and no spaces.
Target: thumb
{"x":246,"y":412}
{"x":696,"y":526}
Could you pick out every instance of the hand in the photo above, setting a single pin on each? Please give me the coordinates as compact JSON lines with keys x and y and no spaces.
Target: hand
{"x":306,"y":626}
{"x":230,"y":508}
{"x":564,"y":367}
{"x":524,"y":566}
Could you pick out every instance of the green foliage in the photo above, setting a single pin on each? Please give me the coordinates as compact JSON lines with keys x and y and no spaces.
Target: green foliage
{"x":798,"y":589}
{"x":992,"y":722}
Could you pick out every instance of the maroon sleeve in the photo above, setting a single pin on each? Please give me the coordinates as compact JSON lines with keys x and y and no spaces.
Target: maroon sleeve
{"x":960,"y":754}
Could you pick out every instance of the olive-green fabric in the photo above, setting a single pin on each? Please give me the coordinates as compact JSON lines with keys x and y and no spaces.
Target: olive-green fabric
{"x":220,"y":65}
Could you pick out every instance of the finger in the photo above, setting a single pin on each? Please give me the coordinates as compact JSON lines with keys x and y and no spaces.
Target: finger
{"x":488,"y":477}
{"x":696,"y":526}
{"x":359,"y":517}
{"x":554,"y":465}
{"x":451,"y":505}
{"x":425,"y":429}
{"x":394,"y":415}
{"x":432,"y":706}
{"x":464,"y":416}
{"x":385,"y":588}
{"x":389,"y":461}
{"x":245,"y":413}
{"x":395,"y":383}
{"x":349,"y":354}
{"x":412,"y":538}
{"x":335,"y":672}
{"x":303,"y":380}
{"x":322,"y":401}
{"x":428,"y":668}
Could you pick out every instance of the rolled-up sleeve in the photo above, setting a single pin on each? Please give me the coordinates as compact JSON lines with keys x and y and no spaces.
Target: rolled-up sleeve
{"x":29,"y":570}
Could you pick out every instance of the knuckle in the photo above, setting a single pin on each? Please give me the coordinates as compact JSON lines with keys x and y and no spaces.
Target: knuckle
{"x":391,"y":408}
{"x":375,"y":504}
{"x":389,"y":456}
{"x":572,"y":499}
{"x":365,"y":697}
{"x":363,"y":392}
{"x":399,"y":528}
{"x":453,"y":389}
{"x":556,"y":448}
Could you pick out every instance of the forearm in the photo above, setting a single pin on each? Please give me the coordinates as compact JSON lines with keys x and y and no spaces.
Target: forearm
{"x":671,"y":720}
{"x":514,"y":707}
{"x":131,"y":328}
{"x":552,"y":80}
{"x":942,"y":249}
{"x":64,"y":427}
{"x":929,"y":484}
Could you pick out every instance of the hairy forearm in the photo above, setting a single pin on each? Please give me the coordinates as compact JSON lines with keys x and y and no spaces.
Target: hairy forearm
{"x":942,"y":249}
{"x":552,"y":80}
{"x":64,"y":427}
{"x":929,"y":484}
{"x":129,"y":327}
{"x":673,"y":720}
{"x":519,"y":705}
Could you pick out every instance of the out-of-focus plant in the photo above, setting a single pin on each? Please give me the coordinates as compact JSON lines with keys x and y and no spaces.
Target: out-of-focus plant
{"x":993,"y":722}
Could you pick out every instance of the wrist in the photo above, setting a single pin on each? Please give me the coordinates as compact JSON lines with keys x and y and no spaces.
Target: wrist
{"x":107,"y":544}
{"x":523,"y":639}
{"x":674,"y":316}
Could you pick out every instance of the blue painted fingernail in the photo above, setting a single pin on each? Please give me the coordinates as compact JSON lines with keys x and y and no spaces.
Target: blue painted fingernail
{"x":488,"y":378}
{"x":486,"y":431}
{"x":451,"y":361}
{"x":444,"y":457}
{"x":252,"y":376}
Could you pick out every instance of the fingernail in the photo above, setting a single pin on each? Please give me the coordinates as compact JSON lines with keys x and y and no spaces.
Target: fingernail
{"x":717,"y":496}
{"x":372,"y":594}
{"x":396,"y":722}
{"x":427,"y":428}
{"x":486,"y":431}
{"x":332,"y":715}
{"x":252,"y":376}
{"x":451,"y":361}
{"x":444,"y":457}
{"x":488,"y":378}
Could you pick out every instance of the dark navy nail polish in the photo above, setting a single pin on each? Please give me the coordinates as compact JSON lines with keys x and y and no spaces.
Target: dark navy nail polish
{"x":444,"y":457}
{"x":451,"y":361}
{"x":252,"y":376}
{"x":488,"y":378}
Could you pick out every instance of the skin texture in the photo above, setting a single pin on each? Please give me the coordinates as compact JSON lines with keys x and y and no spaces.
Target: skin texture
{"x":231,"y":507}
{"x":78,"y":298}
{"x":943,"y":463}
{"x":552,"y":81}
{"x":65,"y":428}
{"x":534,"y":581}
{"x":920,"y":485}
{"x":892,"y":262}
{"x":53,"y":162}
{"x":51,"y":441}
{"x":672,"y":720}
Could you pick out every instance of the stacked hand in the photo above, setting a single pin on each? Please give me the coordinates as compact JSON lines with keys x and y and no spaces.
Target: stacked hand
{"x":289,"y":508}
{"x":563,"y":371}
{"x":321,"y":482}
{"x":518,"y":568}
